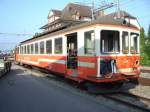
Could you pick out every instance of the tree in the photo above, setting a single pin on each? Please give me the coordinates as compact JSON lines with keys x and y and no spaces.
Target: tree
{"x":143,"y":49}
{"x":148,"y":35}
{"x":142,"y":38}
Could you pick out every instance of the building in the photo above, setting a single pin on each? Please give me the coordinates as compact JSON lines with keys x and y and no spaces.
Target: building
{"x":74,"y":14}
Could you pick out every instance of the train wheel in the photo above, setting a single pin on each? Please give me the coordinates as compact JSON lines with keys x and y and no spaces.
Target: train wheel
{"x":134,"y":80}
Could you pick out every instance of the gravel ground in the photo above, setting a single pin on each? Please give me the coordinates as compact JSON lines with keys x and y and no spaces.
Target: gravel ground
{"x":145,"y":68}
{"x":145,"y":75}
{"x":140,"y":90}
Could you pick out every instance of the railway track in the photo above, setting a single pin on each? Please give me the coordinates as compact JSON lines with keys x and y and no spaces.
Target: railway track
{"x":144,"y":81}
{"x":138,"y":103}
{"x":134,"y":101}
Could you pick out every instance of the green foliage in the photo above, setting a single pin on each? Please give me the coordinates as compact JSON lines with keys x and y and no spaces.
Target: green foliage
{"x":145,"y":47}
{"x":148,"y":35}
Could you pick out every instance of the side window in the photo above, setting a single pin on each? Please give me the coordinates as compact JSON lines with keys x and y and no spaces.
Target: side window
{"x":21,"y":49}
{"x":49,"y":46}
{"x":28,"y":49}
{"x":134,"y":43}
{"x":125,"y":42}
{"x":32,"y":49}
{"x":109,"y":41}
{"x":42,"y":47}
{"x":36,"y":48}
{"x":25,"y":49}
{"x":88,"y":42}
{"x":58,"y":46}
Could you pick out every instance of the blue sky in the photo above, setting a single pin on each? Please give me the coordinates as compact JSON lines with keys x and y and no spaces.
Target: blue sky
{"x":27,"y":16}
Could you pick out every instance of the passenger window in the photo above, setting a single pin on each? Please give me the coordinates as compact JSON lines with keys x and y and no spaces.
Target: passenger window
{"x":42,"y":47}
{"x":32,"y":49}
{"x":58,"y":46}
{"x":21,"y":49}
{"x":88,"y":42}
{"x":125,"y":43}
{"x":49,"y":46}
{"x":109,"y":41}
{"x":36,"y":48}
{"x":134,"y":43}
{"x":25,"y":50}
{"x":28,"y":49}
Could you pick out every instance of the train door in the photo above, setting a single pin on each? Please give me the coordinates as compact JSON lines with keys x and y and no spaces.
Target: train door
{"x":72,"y":59}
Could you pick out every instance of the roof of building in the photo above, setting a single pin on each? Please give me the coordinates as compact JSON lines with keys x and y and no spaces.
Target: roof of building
{"x":57,"y":12}
{"x":123,"y":14}
{"x":71,"y":9}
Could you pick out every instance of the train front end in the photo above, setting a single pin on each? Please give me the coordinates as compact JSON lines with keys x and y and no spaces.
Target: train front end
{"x":118,"y":54}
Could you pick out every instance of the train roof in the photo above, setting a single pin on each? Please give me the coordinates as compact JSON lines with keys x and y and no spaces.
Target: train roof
{"x":103,"y":21}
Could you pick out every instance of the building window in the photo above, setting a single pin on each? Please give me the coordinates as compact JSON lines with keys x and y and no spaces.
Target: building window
{"x":58,"y":46}
{"x":36,"y":48}
{"x":32,"y":52}
{"x":125,"y":42}
{"x":49,"y":46}
{"x":88,"y":42}
{"x":42,"y":47}
{"x":109,"y":41}
{"x":134,"y":43}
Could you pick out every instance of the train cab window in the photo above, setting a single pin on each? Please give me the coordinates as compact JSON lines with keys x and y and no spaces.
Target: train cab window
{"x":42,"y":47}
{"x":32,"y":52}
{"x":49,"y":46}
{"x":58,"y":46}
{"x":109,"y":41}
{"x":134,"y":43}
{"x":125,"y":42}
{"x":36,"y":48}
{"x":88,"y":42}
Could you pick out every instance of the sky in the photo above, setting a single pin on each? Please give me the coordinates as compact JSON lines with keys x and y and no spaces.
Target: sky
{"x":27,"y":16}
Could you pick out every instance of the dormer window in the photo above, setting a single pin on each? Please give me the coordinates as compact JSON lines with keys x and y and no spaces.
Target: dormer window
{"x":53,"y":15}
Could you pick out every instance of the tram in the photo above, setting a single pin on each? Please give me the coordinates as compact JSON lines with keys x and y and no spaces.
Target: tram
{"x":99,"y":51}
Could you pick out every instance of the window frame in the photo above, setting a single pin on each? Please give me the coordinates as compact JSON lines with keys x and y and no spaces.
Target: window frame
{"x":36,"y":48}
{"x":101,"y":51}
{"x":40,"y":48}
{"x":126,"y":51}
{"x":137,"y":51}
{"x":61,"y":45}
{"x":92,"y":39}
{"x":50,"y":40}
{"x":32,"y":48}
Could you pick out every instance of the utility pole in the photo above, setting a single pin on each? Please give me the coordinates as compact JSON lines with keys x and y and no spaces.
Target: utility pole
{"x":118,"y":8}
{"x":93,"y":7}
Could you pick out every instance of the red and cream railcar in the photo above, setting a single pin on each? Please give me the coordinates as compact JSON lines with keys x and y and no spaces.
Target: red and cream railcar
{"x":97,"y":51}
